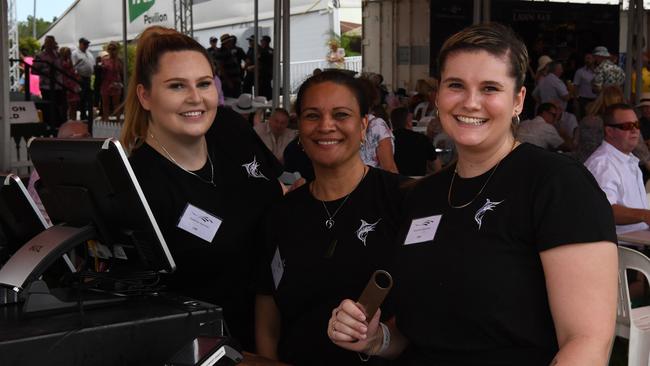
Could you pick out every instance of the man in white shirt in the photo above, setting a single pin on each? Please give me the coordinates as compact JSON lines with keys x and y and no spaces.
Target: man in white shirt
{"x":275,"y":134}
{"x":551,"y":87}
{"x":617,"y":171}
{"x":541,"y":130}
{"x":84,"y":63}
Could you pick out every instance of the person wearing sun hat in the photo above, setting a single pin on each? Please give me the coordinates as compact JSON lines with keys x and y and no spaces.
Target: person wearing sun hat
{"x":606,"y":72}
{"x":228,"y":67}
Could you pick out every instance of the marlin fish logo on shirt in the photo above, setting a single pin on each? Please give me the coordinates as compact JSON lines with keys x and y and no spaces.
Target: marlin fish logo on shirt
{"x":364,"y":229}
{"x":253,"y":169}
{"x":488,"y":206}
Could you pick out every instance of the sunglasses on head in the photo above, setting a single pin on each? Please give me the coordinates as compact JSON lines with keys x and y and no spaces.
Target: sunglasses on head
{"x":626,"y":126}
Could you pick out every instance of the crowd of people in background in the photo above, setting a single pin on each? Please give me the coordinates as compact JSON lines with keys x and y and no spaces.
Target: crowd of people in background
{"x":236,"y":69}
{"x":75,"y":82}
{"x":563,"y":112}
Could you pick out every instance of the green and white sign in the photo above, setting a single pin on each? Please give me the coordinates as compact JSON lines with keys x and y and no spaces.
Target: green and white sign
{"x":139,"y":7}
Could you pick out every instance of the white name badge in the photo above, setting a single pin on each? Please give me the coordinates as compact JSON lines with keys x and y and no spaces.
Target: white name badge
{"x":277,"y":267}
{"x":422,"y":229}
{"x":200,"y":223}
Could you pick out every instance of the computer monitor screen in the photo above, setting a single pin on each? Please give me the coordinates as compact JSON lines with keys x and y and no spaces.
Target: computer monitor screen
{"x":90,"y":182}
{"x":20,"y":219}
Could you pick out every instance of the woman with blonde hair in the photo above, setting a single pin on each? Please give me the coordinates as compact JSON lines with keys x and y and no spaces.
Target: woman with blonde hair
{"x":208,"y":181}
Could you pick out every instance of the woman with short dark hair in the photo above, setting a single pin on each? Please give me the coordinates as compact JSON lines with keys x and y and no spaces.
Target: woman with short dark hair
{"x":325,"y":239}
{"x":508,"y":256}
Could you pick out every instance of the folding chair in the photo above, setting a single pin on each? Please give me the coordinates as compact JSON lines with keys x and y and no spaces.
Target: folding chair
{"x":633,"y":324}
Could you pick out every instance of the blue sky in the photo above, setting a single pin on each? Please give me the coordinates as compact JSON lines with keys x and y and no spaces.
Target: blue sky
{"x":46,"y":9}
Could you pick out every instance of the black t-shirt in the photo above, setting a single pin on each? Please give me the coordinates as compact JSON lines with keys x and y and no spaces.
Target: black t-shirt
{"x":412,"y":151}
{"x":223,"y":271}
{"x":319,"y":274}
{"x":476,"y":293}
{"x":228,"y":60}
{"x":266,"y":63}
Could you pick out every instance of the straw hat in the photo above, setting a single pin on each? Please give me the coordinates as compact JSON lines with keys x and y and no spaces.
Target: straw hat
{"x":543,"y":61}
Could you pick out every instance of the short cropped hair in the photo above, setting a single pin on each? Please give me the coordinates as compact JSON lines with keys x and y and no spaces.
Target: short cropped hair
{"x":494,"y":38}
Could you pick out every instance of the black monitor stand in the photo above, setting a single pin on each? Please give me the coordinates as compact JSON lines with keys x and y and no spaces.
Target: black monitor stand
{"x":23,"y":269}
{"x":88,"y":186}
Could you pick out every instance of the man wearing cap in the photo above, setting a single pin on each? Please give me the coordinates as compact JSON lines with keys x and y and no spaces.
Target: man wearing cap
{"x":249,"y":66}
{"x":606,"y":72}
{"x":582,"y":80}
{"x":644,"y":111}
{"x":228,"y":67}
{"x":239,"y":53}
{"x":84,"y":64}
{"x":266,"y":68}
{"x":212,"y":50}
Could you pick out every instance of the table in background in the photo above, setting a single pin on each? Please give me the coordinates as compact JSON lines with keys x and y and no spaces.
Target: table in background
{"x":641,"y":237}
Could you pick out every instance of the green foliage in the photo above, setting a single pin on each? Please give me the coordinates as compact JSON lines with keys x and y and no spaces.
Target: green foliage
{"x":25,"y":27}
{"x":130,"y":51}
{"x":26,"y":42}
{"x":30,"y":46}
{"x":351,"y":44}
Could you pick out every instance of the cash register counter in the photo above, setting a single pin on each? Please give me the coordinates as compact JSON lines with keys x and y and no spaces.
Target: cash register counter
{"x":139,"y":331}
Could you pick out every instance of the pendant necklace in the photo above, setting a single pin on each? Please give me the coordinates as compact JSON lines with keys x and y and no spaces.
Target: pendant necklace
{"x":329,"y":223}
{"x":211,"y":181}
{"x":514,"y":143}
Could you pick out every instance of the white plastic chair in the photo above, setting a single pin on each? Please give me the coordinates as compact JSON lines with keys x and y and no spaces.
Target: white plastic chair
{"x":633,"y":324}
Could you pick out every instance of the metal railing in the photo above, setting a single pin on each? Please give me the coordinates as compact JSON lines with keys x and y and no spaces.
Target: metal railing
{"x":52,"y":76}
{"x":300,"y":71}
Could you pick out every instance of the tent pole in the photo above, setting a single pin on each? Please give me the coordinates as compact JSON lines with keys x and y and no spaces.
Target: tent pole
{"x":256,"y":50}
{"x":5,"y":127}
{"x":277,"y":31}
{"x":286,"y":59}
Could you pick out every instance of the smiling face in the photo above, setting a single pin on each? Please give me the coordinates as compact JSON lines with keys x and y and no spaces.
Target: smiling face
{"x":331,"y":126}
{"x":477,"y":99}
{"x":182,"y":99}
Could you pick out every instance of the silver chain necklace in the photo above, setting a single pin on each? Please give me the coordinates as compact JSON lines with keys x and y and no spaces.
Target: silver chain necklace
{"x":211,"y":181}
{"x":329,"y":223}
{"x":514,"y":144}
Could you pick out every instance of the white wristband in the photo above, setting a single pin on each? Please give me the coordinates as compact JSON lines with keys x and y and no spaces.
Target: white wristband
{"x":386,"y":340}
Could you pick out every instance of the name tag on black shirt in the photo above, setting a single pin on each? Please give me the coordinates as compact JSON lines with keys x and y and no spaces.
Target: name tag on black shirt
{"x":422,"y":229}
{"x":199,"y":223}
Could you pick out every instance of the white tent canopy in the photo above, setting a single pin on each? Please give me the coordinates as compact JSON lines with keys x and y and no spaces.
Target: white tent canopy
{"x":100,"y":21}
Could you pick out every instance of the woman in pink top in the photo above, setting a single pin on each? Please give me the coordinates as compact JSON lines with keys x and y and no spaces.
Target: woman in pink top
{"x":112,"y":85}
{"x":33,"y":78}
